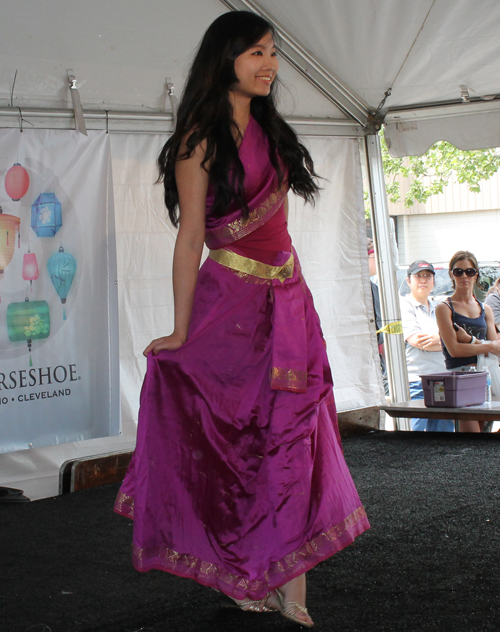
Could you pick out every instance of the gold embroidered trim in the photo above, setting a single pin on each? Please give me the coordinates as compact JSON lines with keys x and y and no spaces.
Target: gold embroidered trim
{"x":124,"y":505}
{"x":289,"y":377}
{"x":209,"y":574}
{"x":250,"y":266}
{"x":242,"y":227}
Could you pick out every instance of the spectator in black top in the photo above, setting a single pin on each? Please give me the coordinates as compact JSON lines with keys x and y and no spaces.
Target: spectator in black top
{"x":462,"y":311}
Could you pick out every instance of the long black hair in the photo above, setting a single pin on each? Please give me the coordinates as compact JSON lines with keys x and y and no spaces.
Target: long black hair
{"x":205,"y":114}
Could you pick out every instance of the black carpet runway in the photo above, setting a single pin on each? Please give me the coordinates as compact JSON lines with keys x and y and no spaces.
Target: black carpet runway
{"x":431,"y":560}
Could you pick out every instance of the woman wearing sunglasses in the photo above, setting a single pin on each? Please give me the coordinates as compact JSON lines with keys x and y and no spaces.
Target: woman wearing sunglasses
{"x":462,"y":314}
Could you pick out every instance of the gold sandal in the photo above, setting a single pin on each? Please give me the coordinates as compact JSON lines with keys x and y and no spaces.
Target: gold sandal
{"x":247,"y":605}
{"x":289,"y":610}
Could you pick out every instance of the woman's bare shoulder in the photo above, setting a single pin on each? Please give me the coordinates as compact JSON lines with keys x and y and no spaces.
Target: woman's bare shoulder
{"x":443,"y":307}
{"x":487,"y":310}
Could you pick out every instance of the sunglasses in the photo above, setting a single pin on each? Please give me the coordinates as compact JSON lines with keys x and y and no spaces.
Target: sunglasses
{"x":470,"y":272}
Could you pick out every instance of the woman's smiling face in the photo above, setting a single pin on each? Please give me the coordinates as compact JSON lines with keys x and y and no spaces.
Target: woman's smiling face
{"x":256,"y":69}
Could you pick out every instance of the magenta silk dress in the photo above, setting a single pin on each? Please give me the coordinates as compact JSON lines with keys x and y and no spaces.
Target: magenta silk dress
{"x":238,"y":479}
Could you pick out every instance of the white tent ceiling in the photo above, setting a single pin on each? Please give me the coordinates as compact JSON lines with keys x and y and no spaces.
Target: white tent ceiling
{"x":122,"y":50}
{"x":365,"y":44}
{"x":431,"y":54}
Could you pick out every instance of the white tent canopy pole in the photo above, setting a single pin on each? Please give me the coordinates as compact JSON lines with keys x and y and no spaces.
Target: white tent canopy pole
{"x":152,"y":122}
{"x":391,"y":313}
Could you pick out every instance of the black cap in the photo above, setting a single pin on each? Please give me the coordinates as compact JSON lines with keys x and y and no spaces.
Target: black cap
{"x":420,"y":266}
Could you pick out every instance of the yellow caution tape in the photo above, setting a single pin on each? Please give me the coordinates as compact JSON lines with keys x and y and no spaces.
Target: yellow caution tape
{"x":392,"y":328}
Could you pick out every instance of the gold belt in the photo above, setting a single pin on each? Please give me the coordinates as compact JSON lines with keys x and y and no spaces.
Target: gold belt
{"x":252,"y":267}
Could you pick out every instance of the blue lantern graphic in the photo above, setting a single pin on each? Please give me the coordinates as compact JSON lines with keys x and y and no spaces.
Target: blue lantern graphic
{"x":46,"y":215}
{"x":62,"y":269}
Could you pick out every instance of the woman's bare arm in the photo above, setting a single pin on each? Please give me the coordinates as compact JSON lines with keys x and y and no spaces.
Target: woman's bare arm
{"x":192,"y":184}
{"x":449,"y":336}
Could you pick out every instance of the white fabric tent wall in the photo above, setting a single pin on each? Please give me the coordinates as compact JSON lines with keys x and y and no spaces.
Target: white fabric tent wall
{"x":145,"y":242}
{"x":329,"y":238}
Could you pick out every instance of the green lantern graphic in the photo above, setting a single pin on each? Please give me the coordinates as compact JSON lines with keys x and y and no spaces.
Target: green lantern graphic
{"x":28,"y":321}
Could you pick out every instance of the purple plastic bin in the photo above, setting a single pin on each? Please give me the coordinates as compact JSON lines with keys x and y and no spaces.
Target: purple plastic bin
{"x":454,"y":388}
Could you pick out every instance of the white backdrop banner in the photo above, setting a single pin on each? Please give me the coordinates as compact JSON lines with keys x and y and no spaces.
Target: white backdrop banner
{"x":59,"y":379}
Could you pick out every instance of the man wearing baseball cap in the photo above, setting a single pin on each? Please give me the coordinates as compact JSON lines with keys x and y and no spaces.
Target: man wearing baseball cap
{"x":422,"y":341}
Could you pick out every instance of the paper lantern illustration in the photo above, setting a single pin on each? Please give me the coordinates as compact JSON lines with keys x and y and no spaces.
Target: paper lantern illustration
{"x":9,"y":225}
{"x":30,"y":268}
{"x":62,"y":268}
{"x":46,"y":215}
{"x":17,"y":182}
{"x":28,"y":321}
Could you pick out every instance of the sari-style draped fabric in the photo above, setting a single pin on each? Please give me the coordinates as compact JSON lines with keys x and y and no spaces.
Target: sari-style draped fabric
{"x":238,"y":480}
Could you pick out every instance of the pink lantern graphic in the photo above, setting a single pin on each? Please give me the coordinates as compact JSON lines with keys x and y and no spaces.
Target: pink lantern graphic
{"x":9,"y":225}
{"x":30,"y":268}
{"x":17,"y":182}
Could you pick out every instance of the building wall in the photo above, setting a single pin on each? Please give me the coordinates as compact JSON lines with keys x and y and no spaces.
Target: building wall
{"x":437,"y":236}
{"x":454,"y":220}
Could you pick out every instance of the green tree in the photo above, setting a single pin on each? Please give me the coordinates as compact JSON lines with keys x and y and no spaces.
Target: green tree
{"x":430,"y":173}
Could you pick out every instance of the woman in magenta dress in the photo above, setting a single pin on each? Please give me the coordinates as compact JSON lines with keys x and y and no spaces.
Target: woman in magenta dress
{"x":238,"y":480}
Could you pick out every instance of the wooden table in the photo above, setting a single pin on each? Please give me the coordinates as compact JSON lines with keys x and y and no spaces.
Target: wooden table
{"x":489,"y":412}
